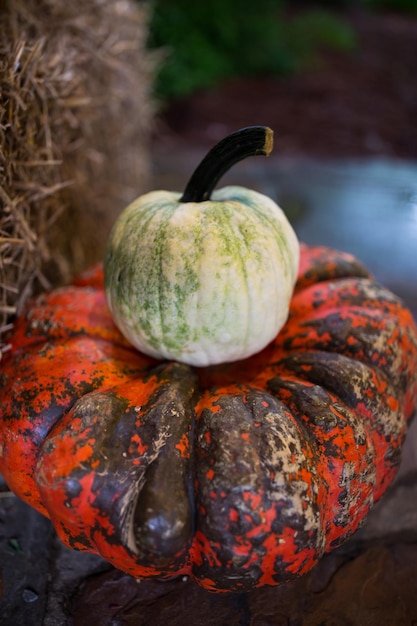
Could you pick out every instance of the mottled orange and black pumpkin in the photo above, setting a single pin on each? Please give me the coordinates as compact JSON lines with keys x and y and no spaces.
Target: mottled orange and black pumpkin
{"x":239,"y":475}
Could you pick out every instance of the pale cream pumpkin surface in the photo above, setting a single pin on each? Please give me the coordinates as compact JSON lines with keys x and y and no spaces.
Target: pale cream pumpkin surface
{"x":201,"y":282}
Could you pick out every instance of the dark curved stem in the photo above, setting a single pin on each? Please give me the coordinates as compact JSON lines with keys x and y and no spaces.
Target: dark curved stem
{"x":250,"y":141}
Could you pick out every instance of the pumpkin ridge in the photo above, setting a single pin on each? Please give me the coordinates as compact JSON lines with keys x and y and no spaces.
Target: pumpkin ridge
{"x":31,"y":410}
{"x":345,"y":452}
{"x":321,"y":263}
{"x":138,"y":441}
{"x":240,"y":533}
{"x":292,"y":354}
{"x":369,"y":395}
{"x":388,"y":333}
{"x":242,"y":264}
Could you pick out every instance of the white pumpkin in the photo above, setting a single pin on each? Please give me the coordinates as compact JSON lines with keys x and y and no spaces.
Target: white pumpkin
{"x":201,"y":282}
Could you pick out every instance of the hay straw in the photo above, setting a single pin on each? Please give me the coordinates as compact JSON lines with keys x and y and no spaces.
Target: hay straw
{"x":75,"y":116}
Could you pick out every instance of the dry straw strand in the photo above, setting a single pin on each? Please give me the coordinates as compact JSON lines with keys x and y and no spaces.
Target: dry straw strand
{"x":75,"y":117}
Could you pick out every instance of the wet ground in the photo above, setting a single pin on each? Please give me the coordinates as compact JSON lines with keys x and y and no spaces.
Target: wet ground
{"x":368,"y":207}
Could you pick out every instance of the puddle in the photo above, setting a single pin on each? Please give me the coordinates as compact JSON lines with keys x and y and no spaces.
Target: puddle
{"x":367,"y":208}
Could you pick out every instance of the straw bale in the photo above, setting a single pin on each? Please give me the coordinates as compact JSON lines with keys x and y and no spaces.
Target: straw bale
{"x":75,"y":118}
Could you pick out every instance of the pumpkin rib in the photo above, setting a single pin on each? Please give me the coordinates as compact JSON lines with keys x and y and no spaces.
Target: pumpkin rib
{"x":29,"y":411}
{"x":228,"y":233}
{"x":363,"y":390}
{"x":381,"y":372}
{"x":345,"y":452}
{"x":67,"y":312}
{"x":240,"y":522}
{"x":343,"y":292}
{"x":332,"y":328}
{"x":320,"y":264}
{"x":147,"y":429}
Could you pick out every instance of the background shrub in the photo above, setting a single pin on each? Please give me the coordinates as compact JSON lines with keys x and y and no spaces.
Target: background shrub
{"x":204,"y":43}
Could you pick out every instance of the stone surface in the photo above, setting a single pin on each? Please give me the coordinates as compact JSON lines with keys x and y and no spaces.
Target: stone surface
{"x":377,"y":587}
{"x":24,"y":563}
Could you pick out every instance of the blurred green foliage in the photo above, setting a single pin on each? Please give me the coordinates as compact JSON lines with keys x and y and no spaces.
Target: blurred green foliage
{"x":203,"y":43}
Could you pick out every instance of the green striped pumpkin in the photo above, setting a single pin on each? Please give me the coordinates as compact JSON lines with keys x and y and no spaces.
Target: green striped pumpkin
{"x":203,"y":280}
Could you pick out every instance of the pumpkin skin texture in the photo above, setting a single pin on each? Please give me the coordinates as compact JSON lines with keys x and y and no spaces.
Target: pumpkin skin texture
{"x":239,"y":475}
{"x":201,"y":282}
{"x":205,"y":277}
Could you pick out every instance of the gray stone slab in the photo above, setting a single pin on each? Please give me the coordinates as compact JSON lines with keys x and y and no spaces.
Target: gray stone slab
{"x":67,"y":571}
{"x":38,"y":574}
{"x":24,"y":563}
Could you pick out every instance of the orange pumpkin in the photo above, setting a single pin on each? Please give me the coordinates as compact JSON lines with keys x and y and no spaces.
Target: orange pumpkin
{"x":239,"y":475}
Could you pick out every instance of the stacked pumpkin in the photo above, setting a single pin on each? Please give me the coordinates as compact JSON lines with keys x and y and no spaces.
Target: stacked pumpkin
{"x":272,"y":425}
